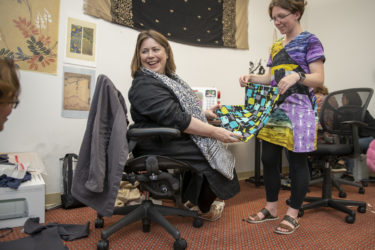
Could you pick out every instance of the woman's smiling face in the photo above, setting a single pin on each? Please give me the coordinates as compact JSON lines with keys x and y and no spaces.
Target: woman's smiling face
{"x":153,"y":56}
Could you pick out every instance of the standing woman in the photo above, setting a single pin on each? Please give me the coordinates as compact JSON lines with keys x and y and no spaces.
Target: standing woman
{"x":9,"y":89}
{"x":295,"y":67}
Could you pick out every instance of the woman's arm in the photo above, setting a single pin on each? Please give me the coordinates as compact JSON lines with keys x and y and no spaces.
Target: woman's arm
{"x":197,"y":127}
{"x":314,"y":79}
{"x":260,"y":79}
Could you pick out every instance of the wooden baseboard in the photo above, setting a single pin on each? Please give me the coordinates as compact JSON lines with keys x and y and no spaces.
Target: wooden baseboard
{"x":53,"y":200}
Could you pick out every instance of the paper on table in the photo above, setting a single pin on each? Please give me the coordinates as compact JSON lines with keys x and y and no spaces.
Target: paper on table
{"x":31,"y":159}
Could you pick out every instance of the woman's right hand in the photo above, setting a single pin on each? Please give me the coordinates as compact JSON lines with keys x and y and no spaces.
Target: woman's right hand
{"x":225,"y":136}
{"x":244,"y":80}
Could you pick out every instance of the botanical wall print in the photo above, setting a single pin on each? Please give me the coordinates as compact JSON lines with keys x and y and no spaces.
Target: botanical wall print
{"x":81,"y":40}
{"x":78,"y":90}
{"x":29,"y":33}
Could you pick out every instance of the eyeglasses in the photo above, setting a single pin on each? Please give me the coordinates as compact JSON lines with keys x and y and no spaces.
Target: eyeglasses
{"x":279,"y":18}
{"x":13,"y":103}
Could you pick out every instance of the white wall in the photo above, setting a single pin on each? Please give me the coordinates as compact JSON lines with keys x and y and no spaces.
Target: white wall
{"x":344,"y":26}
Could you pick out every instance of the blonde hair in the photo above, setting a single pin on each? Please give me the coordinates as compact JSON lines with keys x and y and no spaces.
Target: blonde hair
{"x":170,"y":66}
{"x":9,"y":83}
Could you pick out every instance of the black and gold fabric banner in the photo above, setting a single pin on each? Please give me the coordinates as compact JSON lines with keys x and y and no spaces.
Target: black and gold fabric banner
{"x":212,"y":23}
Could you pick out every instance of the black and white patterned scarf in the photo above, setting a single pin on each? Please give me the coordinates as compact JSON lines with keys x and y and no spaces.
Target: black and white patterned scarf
{"x":216,"y":153}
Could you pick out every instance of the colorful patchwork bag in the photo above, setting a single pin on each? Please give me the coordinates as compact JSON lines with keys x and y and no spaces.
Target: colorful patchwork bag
{"x":248,"y":119}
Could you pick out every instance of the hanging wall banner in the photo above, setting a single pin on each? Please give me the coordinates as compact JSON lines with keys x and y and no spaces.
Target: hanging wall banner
{"x":29,"y":33}
{"x":213,"y":23}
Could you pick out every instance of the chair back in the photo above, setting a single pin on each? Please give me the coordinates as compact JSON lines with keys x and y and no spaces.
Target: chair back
{"x":344,"y":105}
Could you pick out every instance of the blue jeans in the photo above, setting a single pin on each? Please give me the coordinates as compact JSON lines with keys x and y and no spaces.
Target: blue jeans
{"x":364,"y":142}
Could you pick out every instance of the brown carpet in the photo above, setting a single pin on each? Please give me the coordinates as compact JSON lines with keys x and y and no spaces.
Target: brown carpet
{"x":320,"y":228}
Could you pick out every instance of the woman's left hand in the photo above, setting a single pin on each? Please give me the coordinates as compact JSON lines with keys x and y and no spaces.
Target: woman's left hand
{"x":210,"y":113}
{"x":287,"y":81}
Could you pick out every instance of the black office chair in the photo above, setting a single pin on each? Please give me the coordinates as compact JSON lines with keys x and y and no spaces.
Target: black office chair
{"x":343,"y":121}
{"x":159,"y":177}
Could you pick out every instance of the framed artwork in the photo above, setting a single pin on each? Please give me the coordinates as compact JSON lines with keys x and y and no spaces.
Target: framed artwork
{"x":78,"y":89}
{"x":80,"y":42}
{"x":29,"y":34}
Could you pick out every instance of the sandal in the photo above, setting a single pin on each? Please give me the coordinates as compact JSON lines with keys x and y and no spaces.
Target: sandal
{"x":267,"y":217}
{"x":289,"y":229}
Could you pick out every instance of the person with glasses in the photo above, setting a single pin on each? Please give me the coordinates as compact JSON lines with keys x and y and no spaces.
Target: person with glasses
{"x":296,"y":67}
{"x":9,"y":89}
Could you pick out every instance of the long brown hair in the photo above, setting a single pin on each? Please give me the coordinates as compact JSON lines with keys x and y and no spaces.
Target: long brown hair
{"x":9,"y":83}
{"x":170,"y":67}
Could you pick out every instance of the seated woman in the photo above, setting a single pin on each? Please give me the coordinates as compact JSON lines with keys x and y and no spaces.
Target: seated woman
{"x":160,"y":98}
{"x":9,"y":89}
{"x":366,"y":134}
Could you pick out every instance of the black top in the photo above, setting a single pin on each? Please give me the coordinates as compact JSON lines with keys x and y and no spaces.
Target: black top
{"x":370,"y":129}
{"x":153,"y":104}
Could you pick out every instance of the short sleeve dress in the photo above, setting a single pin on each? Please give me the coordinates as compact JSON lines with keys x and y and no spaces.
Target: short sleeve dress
{"x":293,"y":124}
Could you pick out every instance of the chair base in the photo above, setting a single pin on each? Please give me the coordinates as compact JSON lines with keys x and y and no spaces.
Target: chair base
{"x":147,"y":212}
{"x":327,"y":201}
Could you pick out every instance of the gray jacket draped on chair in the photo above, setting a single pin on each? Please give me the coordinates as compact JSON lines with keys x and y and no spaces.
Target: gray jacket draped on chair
{"x":104,"y":150}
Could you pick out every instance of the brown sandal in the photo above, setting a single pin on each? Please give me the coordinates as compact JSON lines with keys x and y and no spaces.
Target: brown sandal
{"x":289,"y":229}
{"x":267,"y":217}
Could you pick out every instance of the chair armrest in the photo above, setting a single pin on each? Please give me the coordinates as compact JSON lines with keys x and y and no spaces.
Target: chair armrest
{"x":137,"y":133}
{"x":359,"y":124}
{"x":355,"y":135}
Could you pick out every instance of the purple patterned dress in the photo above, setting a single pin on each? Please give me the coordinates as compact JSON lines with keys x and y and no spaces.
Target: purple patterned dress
{"x":294,"y":123}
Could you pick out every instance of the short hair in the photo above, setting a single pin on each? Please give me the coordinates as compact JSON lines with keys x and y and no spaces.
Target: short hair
{"x":353,"y":98}
{"x":9,"y":82}
{"x":292,"y":5}
{"x":170,"y":66}
{"x":321,"y":90}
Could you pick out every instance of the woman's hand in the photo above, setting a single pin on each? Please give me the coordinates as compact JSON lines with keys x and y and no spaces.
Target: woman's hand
{"x":225,"y":136}
{"x":210,"y":113}
{"x":287,"y":81}
{"x":244,"y":80}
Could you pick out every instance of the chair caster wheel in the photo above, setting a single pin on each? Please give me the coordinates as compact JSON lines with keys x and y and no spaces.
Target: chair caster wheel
{"x":350,"y":219}
{"x":342,"y":194}
{"x":197,"y":223}
{"x":146,"y":228}
{"x":287,"y":202}
{"x":103,"y":245}
{"x":301,"y":213}
{"x":180,"y":244}
{"x":361,"y":190}
{"x":361,"y":209}
{"x":99,"y":223}
{"x":146,"y":224}
{"x":364,"y":183}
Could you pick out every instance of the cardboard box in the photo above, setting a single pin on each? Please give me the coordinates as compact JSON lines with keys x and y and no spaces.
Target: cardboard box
{"x":16,"y":206}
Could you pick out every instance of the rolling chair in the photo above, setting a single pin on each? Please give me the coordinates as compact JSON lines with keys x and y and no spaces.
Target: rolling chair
{"x":343,"y":121}
{"x":159,"y":177}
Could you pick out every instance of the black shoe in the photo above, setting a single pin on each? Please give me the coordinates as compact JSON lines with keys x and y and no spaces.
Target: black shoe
{"x":338,"y":168}
{"x":348,"y":177}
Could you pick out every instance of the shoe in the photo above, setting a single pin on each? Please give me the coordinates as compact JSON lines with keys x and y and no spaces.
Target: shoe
{"x":214,"y":214}
{"x":189,"y":205}
{"x":338,"y":168}
{"x":267,"y":217}
{"x":348,"y":177}
{"x":289,"y":229}
{"x":285,"y":183}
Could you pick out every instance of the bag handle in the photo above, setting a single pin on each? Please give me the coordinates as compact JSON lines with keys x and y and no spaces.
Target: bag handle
{"x":68,"y":171}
